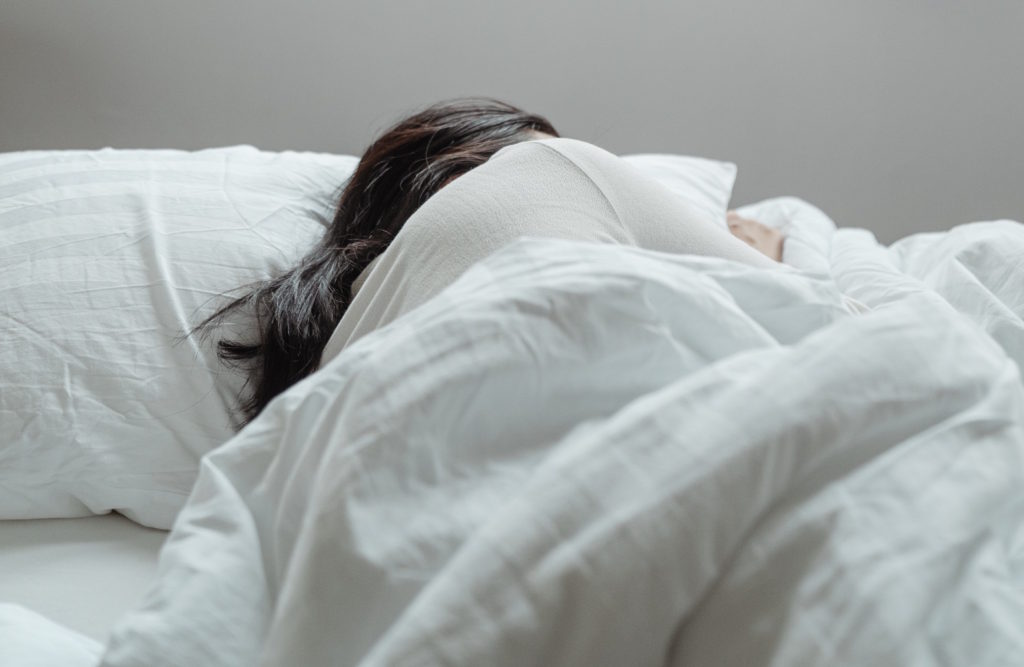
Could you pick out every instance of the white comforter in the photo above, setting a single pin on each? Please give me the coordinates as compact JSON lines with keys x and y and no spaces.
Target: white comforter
{"x":593,"y":455}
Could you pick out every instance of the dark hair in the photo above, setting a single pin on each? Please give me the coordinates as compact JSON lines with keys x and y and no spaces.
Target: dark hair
{"x":297,"y":311}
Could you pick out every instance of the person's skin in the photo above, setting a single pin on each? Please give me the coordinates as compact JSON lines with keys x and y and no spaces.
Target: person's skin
{"x":758,"y":236}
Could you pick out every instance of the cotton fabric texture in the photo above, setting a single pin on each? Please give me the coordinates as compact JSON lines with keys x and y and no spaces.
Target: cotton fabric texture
{"x":108,"y":258}
{"x":552,"y":188}
{"x":587,"y":454}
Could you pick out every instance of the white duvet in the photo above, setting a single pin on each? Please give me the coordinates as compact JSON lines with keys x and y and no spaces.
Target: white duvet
{"x":594,"y":455}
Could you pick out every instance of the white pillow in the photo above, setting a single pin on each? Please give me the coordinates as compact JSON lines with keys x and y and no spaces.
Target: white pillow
{"x":106,"y":259}
{"x":707,"y":184}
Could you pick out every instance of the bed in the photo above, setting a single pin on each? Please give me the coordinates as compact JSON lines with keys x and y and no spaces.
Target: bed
{"x":578,"y":454}
{"x":81,"y":573}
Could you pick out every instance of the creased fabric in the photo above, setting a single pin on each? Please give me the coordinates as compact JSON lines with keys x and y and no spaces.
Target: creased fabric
{"x":588,"y":454}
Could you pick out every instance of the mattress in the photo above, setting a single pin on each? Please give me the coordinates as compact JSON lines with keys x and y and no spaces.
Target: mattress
{"x":81,"y":573}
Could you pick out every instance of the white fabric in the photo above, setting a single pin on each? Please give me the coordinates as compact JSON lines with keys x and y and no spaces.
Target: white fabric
{"x":590,"y":454}
{"x":83,"y":573}
{"x":703,"y":183}
{"x":106,"y":259}
{"x":559,"y":188}
{"x":28,"y":639}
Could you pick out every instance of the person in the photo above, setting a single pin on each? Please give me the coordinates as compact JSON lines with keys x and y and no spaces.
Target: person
{"x":435,"y":193}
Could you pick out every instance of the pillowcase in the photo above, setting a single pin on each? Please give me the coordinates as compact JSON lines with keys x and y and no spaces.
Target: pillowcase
{"x":706,"y":184}
{"x":107,"y":258}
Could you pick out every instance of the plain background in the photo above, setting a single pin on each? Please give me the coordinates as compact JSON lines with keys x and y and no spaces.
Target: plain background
{"x":899,"y":116}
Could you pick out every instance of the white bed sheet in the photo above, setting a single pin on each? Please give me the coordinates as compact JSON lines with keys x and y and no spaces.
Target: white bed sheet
{"x":81,"y":573}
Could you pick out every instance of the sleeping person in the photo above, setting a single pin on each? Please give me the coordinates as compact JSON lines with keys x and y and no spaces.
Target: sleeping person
{"x":437,"y":192}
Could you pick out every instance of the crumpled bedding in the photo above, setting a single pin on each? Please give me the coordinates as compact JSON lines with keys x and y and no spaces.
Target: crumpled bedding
{"x":584,"y":454}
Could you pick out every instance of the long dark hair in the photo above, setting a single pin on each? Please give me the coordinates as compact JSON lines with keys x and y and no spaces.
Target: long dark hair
{"x":297,"y":311}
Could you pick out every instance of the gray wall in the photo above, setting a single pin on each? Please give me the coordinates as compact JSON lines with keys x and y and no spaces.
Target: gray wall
{"x":897,"y":116}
